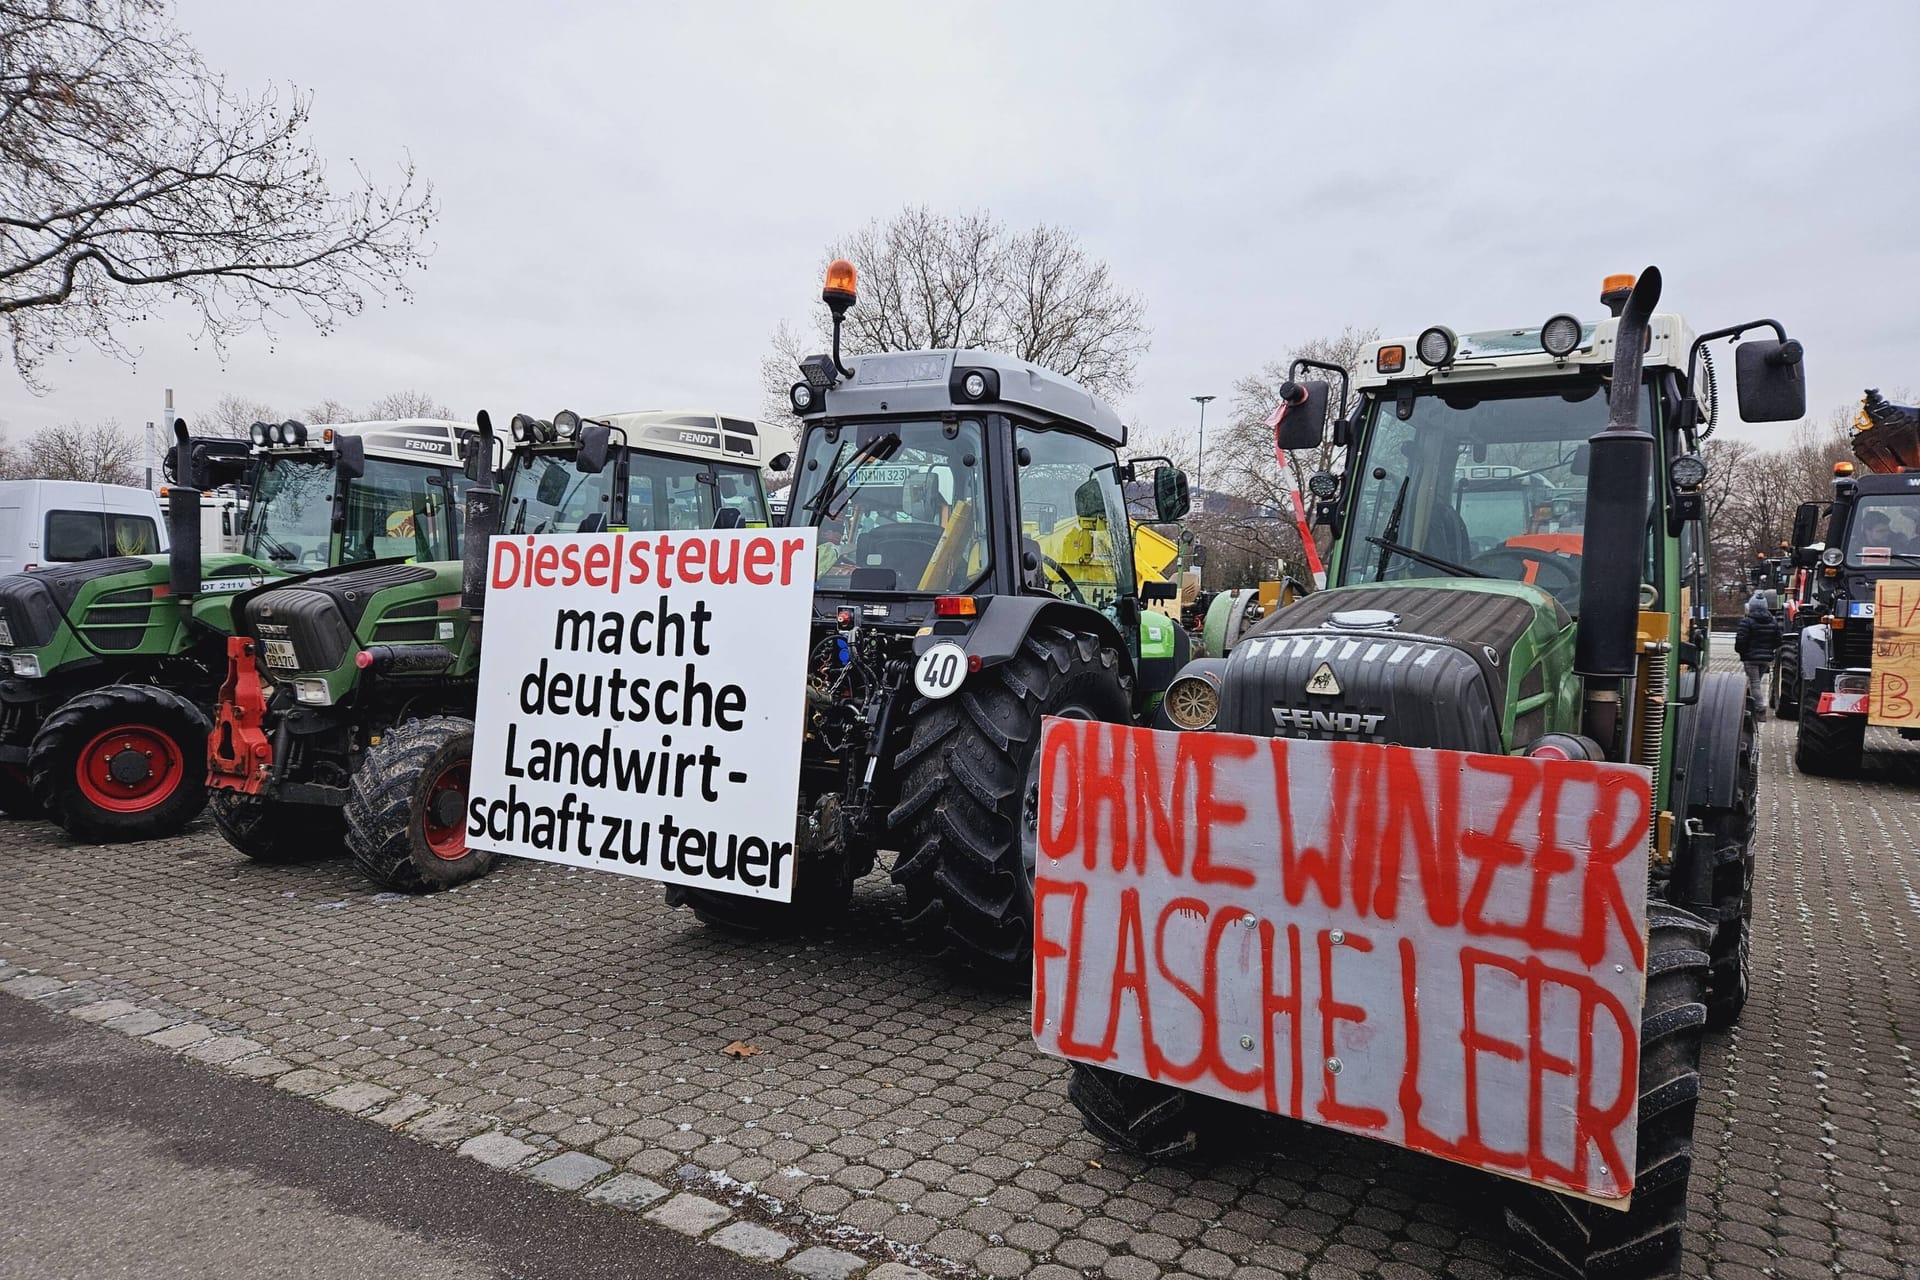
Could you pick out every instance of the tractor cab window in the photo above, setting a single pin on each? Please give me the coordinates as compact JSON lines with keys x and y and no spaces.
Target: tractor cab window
{"x":548,"y":495}
{"x":403,"y":511}
{"x":1884,"y":530}
{"x":290,"y":521}
{"x":1073,"y":518}
{"x":899,"y":505}
{"x":1470,"y":483}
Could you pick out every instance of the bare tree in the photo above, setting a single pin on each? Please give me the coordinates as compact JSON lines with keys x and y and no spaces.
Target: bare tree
{"x":325,"y":412}
{"x":131,"y":176}
{"x":930,"y":280}
{"x":405,"y":404}
{"x":232,"y":417}
{"x":101,"y":453}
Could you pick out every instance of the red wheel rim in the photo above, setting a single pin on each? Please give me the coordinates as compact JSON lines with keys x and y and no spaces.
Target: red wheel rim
{"x":130,"y":768}
{"x":449,"y":792}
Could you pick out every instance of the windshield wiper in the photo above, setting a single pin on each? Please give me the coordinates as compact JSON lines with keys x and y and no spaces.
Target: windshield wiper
{"x":1392,"y":530}
{"x":1393,"y":548}
{"x":821,"y":508}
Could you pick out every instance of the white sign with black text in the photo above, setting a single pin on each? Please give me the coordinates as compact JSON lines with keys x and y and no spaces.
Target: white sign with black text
{"x":641,"y":704}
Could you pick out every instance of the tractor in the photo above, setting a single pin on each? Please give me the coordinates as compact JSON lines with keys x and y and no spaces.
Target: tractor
{"x":976,"y":572}
{"x":1872,"y":536}
{"x":113,"y":665}
{"x":1519,"y":569}
{"x":347,"y":712}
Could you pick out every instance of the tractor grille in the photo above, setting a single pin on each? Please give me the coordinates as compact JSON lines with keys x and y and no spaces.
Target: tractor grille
{"x":121,"y":626}
{"x":1853,"y":645}
{"x":320,"y":615}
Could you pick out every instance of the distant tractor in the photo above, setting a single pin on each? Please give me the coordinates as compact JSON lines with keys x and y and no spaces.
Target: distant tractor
{"x":1871,"y":537}
{"x":1519,"y":570}
{"x":977,"y":572}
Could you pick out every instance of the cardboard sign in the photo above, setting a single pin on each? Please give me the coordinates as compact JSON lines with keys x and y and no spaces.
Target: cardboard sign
{"x":1894,"y":696}
{"x":641,"y":703}
{"x":1440,"y":950}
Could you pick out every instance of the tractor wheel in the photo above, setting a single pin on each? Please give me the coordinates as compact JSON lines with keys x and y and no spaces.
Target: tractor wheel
{"x":407,"y":814}
{"x":1829,"y":746}
{"x":822,"y":886}
{"x":1786,"y":692}
{"x":1562,"y":1236}
{"x":16,"y":793}
{"x":970,"y":795}
{"x":1730,"y":831}
{"x":1145,"y":1118}
{"x":126,"y":762}
{"x":274,"y":831}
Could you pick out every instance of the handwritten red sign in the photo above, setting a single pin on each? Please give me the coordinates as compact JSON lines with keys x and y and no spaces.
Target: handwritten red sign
{"x":1436,"y":949}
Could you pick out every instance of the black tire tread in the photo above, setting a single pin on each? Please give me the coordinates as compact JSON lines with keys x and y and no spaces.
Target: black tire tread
{"x":17,"y":800}
{"x":964,"y":774}
{"x":383,"y":809}
{"x":1571,"y":1239}
{"x":1828,"y":746}
{"x":1730,"y":832}
{"x":273,"y":831}
{"x":1146,"y":1118}
{"x":50,"y":762}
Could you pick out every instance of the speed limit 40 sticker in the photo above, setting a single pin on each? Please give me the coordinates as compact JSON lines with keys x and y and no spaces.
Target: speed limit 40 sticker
{"x":939,"y":670}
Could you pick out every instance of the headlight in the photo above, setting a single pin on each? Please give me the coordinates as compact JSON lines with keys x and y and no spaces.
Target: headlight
{"x":1689,"y":471}
{"x":975,"y":386}
{"x":1560,"y":335}
{"x":1833,"y":557}
{"x":567,"y":424}
{"x":1192,"y":702}
{"x":801,"y":397}
{"x":262,"y":434}
{"x":24,"y":665}
{"x":313,"y":692}
{"x":1323,"y":485}
{"x":1853,"y":682}
{"x":1435,"y":346}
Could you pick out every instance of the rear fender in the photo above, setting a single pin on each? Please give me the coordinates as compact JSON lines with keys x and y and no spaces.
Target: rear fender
{"x":1709,"y":744}
{"x":1813,"y":650}
{"x":1004,"y":622}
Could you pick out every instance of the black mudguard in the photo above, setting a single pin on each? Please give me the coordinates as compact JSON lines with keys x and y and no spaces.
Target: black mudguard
{"x":1707,"y":764}
{"x":1004,"y":622}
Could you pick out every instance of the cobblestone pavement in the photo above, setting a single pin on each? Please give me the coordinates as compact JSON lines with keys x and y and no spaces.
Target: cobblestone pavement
{"x":897,"y":1112}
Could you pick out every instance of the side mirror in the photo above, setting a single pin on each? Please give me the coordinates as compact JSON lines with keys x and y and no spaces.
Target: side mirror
{"x":1806,"y":523}
{"x":350,"y":456}
{"x":728,"y":518}
{"x":1772,"y":380}
{"x":591,"y":458}
{"x":1159,"y":589}
{"x":1088,"y":502}
{"x":780,"y":462}
{"x":553,"y":486}
{"x":1582,"y":460}
{"x":1301,"y":420}
{"x":1171,"y":499}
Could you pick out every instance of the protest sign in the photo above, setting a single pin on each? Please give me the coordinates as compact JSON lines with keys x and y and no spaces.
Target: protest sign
{"x":1895,"y":690}
{"x":1440,"y":950}
{"x":641,"y":697}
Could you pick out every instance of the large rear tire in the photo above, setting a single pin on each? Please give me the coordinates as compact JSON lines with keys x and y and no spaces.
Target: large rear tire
{"x":1565,"y":1237}
{"x":16,"y":793}
{"x":969,"y":795}
{"x":1148,"y":1119}
{"x":125,"y":762}
{"x":273,"y":831}
{"x":1829,"y":746}
{"x":1730,"y":831}
{"x":407,"y":814}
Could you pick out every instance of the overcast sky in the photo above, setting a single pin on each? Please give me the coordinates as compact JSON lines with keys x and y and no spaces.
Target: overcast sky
{"x":634,"y":195}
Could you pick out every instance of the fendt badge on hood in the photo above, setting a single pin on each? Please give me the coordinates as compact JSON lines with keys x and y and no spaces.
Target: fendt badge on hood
{"x":1327,"y":721}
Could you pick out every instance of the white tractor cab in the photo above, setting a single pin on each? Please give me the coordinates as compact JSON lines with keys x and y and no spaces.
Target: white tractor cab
{"x":660,"y":469}
{"x":47,"y":522}
{"x":356,"y":491}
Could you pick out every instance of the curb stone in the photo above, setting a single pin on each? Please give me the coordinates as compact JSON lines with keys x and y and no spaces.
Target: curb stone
{"x":440,"y":1125}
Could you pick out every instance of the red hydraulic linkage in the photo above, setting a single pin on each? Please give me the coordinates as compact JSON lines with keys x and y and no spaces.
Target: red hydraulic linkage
{"x":239,"y":754}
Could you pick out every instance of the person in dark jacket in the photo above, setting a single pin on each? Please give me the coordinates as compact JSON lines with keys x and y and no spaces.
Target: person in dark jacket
{"x":1757,"y":640}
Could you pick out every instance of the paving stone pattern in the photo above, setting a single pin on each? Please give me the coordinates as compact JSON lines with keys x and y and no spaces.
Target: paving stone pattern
{"x":898,"y":1115}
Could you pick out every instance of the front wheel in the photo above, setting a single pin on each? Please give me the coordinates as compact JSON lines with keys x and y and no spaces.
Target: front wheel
{"x":16,"y":793}
{"x":1829,"y":746}
{"x":126,"y":762}
{"x":273,"y":831}
{"x":1730,"y":831}
{"x":1563,"y":1236}
{"x":407,"y":814}
{"x":1147,"y":1119}
{"x":970,"y":796}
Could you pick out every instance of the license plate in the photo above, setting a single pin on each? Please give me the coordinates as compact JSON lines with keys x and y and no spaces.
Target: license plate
{"x":280,"y":654}
{"x":6,"y":633}
{"x":1861,"y":609}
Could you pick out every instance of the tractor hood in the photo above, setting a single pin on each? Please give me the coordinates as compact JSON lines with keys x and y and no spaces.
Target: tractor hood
{"x":31,"y":604}
{"x":317,"y":622}
{"x":1456,"y":664}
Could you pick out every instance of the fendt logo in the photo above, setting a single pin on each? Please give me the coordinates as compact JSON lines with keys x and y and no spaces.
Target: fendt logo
{"x":426,"y":446}
{"x":698,"y":437}
{"x":1326,"y":721}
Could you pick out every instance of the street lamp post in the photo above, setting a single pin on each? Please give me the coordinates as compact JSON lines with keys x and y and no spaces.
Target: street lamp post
{"x":1200,"y":466}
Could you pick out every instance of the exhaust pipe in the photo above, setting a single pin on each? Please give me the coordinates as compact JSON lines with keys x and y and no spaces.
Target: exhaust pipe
{"x":183,"y":517}
{"x":483,"y":520}
{"x":1619,"y":489}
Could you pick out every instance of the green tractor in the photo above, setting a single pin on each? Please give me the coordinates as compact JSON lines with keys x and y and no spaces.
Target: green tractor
{"x":112,"y":666}
{"x":1520,"y":568}
{"x":347,"y":712}
{"x":975,"y":574}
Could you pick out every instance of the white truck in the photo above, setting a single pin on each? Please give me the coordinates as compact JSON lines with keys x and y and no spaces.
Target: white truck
{"x":45,"y":522}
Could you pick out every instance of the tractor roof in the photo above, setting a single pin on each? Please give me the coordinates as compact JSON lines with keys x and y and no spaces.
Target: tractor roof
{"x":404,"y":439}
{"x":703,"y":434}
{"x":1502,"y":354}
{"x":897,"y":383}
